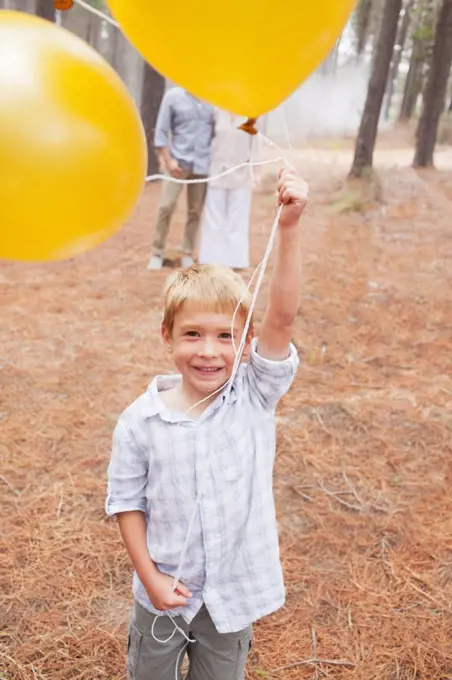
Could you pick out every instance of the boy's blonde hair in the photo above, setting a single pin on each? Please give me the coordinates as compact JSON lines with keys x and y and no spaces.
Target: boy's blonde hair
{"x":211,"y":287}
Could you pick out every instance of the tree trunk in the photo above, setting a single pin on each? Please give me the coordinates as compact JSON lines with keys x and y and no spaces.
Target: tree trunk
{"x":376,"y":21}
{"x":151,"y":97}
{"x":423,"y":33}
{"x":336,"y":53}
{"x":22,"y":5}
{"x":367,"y":134}
{"x":448,"y":107}
{"x":413,"y":85}
{"x":401,"y":39}
{"x":364,"y":11}
{"x":329,"y":66}
{"x":94,"y":31}
{"x":45,"y":9}
{"x":118,"y":49}
{"x":78,"y":21}
{"x":435,"y":90}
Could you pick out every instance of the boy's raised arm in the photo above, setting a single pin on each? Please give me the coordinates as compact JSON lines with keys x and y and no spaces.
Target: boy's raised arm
{"x":276,"y":330}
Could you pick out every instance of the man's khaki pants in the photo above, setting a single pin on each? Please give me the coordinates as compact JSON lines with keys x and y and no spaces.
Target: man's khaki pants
{"x":171,"y":191}
{"x":214,"y":656}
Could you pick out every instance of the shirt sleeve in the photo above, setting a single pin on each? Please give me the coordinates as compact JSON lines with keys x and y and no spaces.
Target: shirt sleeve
{"x":127,"y":473}
{"x":270,"y":380}
{"x":163,"y":124}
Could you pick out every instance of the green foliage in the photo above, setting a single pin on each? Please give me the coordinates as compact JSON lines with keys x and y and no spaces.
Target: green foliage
{"x":424,"y":33}
{"x":358,"y":195}
{"x":425,"y":14}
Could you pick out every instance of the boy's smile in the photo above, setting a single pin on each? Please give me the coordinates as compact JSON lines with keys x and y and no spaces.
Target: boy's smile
{"x":202,"y":349}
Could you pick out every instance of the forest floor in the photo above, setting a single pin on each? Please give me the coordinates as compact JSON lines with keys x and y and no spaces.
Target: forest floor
{"x":364,"y":464}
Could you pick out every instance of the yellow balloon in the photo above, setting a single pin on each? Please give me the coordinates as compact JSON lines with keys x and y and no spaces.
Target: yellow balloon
{"x":72,"y":146}
{"x":245,"y":56}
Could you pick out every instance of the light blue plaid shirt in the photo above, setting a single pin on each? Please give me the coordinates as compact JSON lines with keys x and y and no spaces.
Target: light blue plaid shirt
{"x":185,"y":124}
{"x":158,"y":461}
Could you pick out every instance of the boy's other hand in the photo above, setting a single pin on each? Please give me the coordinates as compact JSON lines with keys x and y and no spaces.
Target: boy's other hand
{"x":174,"y":169}
{"x":292,"y":193}
{"x":163,"y":596}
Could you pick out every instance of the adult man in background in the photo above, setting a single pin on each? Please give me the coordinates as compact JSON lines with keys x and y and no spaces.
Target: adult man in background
{"x":183,"y":138}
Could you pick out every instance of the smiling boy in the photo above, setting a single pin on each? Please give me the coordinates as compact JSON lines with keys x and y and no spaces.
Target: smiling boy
{"x":196,"y":441}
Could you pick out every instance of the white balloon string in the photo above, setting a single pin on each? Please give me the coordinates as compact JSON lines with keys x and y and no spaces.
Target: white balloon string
{"x":201,"y":180}
{"x":238,"y":358}
{"x":261,"y":269}
{"x":97,"y":12}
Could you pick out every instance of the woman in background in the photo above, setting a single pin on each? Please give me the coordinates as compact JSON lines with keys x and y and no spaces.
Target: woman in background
{"x":226,"y":225}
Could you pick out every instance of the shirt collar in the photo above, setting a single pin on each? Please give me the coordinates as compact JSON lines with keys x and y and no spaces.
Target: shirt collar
{"x":155,"y":405}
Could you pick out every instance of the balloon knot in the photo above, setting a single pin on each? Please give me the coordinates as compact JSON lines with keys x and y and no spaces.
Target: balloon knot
{"x":249,"y":126}
{"x":63,"y":5}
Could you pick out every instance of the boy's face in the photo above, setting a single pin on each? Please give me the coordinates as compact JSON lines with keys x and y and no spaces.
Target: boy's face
{"x":201,"y":348}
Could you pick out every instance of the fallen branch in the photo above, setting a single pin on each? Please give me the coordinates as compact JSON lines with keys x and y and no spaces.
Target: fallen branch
{"x":352,"y":488}
{"x":346,"y":504}
{"x":314,"y":649}
{"x":312,"y":662}
{"x":9,"y":485}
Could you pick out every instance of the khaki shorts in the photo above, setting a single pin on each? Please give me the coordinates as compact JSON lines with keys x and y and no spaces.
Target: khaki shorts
{"x":214,"y":656}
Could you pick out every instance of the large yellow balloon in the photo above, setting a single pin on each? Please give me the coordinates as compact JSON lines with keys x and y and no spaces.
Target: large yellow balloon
{"x":72,"y":146}
{"x":245,"y":56}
